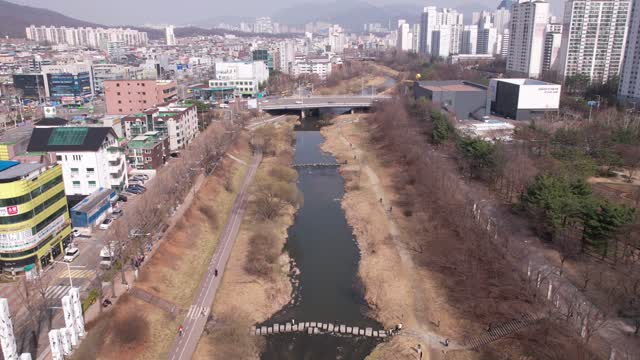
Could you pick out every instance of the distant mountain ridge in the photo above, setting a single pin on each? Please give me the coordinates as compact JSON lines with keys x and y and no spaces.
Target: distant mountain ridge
{"x":14,"y":19}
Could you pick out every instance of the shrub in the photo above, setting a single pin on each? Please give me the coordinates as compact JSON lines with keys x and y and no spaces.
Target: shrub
{"x":91,"y":298}
{"x":130,"y":329}
{"x":263,"y":253}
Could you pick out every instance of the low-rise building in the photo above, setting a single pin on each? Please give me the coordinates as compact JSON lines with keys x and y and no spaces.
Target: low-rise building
{"x":464,"y":99}
{"x":69,"y":83}
{"x":125,"y":97}
{"x":148,"y":151}
{"x":34,"y":220}
{"x":92,"y":210}
{"x":522,"y":99}
{"x":90,"y":157}
{"x":321,"y":67}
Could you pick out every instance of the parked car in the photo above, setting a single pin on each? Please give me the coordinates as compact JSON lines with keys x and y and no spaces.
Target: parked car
{"x":139,"y":179}
{"x":134,"y":190}
{"x":136,"y":182}
{"x":75,"y":233}
{"x":71,"y":253}
{"x":117,"y":213}
{"x":106,"y":224}
{"x":138,"y":187}
{"x":141,"y":176}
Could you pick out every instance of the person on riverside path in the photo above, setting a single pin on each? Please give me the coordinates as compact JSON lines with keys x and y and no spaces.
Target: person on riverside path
{"x":419,"y":350}
{"x":215,"y":273}
{"x":180,"y":330}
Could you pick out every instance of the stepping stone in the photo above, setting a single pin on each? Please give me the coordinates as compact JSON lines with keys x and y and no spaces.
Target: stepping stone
{"x":375,"y":333}
{"x":330,"y":327}
{"x":287,"y":327}
{"x":309,"y":331}
{"x":361,"y":331}
{"x":276,"y":328}
{"x":368,"y":331}
{"x":355,"y":330}
{"x":343,"y":329}
{"x":325,"y":326}
{"x":382,"y":334}
{"x":349,"y":328}
{"x":301,"y":327}
{"x":313,"y":324}
{"x":294,"y":327}
{"x":263,"y":330}
{"x":316,"y":331}
{"x":269,"y":330}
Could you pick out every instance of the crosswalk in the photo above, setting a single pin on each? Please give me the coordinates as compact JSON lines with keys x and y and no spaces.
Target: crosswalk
{"x":57,"y":292}
{"x":77,"y":274}
{"x":197,"y":311}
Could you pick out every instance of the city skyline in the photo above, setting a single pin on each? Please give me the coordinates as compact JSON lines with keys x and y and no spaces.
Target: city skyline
{"x":163,"y":12}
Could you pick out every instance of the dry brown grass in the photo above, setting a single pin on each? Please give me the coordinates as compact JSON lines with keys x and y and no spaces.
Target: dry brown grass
{"x":173,"y":273}
{"x":267,"y":293}
{"x":231,"y":337}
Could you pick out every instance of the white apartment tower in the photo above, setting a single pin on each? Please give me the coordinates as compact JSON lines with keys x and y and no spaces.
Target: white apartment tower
{"x":552,"y":42}
{"x":593,"y":38}
{"x":404,"y":39}
{"x":171,"y":37}
{"x":526,"y":44}
{"x":629,"y":82}
{"x":432,"y":19}
{"x":469,"y":41}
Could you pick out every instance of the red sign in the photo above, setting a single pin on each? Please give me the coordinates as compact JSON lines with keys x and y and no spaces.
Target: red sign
{"x":9,"y":210}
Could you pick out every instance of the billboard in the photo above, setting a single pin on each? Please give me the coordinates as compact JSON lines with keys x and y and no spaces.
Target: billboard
{"x":545,"y":96}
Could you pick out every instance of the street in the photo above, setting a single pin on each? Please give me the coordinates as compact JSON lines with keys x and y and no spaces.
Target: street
{"x":196,"y":318}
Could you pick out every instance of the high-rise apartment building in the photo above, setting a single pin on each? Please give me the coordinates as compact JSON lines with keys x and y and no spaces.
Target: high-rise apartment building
{"x":504,"y":43}
{"x":90,"y":37}
{"x":469,"y":41}
{"x":404,"y":39}
{"x":487,"y":41}
{"x":337,"y":39}
{"x":526,"y":44}
{"x":552,"y":42}
{"x":629,"y":82}
{"x":263,"y":25}
{"x":432,"y":19}
{"x":593,"y":38}
{"x":170,"y":36}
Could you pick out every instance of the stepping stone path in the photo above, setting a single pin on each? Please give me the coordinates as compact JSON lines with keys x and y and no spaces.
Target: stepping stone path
{"x":317,"y":328}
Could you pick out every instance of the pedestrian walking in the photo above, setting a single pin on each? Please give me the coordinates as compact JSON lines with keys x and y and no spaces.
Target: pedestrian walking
{"x":203,"y":312}
{"x":446,"y":342}
{"x":215,"y":273}
{"x":419,"y":350}
{"x":180,"y":330}
{"x":127,"y":287}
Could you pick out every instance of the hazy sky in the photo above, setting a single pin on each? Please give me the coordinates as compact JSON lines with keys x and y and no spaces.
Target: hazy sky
{"x":138,"y":12}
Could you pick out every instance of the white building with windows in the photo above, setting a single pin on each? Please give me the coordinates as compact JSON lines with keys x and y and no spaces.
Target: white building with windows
{"x":337,"y":39}
{"x":469,"y":42}
{"x":404,"y":41}
{"x":434,"y":20}
{"x":629,"y":89}
{"x":170,"y":36}
{"x":594,"y":34}
{"x":552,"y":42}
{"x":91,"y":37}
{"x":320,"y":67}
{"x":526,"y":44}
{"x":91,"y":157}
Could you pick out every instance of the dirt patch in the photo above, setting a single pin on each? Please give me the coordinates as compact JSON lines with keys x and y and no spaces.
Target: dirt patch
{"x":263,"y":291}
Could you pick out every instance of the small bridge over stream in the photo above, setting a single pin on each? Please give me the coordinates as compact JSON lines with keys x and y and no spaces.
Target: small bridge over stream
{"x":316,"y":165}
{"x":317,"y":328}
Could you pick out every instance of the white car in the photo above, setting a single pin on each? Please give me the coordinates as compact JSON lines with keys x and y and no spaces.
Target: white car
{"x":106,"y":224}
{"x":71,"y":253}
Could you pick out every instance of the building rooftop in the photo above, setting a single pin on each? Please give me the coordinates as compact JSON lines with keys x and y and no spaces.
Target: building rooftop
{"x":451,"y":85}
{"x":93,"y":200}
{"x":68,"y":138}
{"x":13,"y":170}
{"x":526,"y":81}
{"x":54,"y":121}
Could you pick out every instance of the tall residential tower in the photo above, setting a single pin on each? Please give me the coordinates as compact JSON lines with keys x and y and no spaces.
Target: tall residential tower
{"x":526,"y":44}
{"x":629,"y":81}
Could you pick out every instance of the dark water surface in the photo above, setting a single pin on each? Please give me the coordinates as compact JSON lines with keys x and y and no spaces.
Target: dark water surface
{"x":322,"y":245}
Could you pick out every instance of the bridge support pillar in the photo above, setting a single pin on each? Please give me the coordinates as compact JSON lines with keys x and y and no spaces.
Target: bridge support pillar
{"x":302,"y":114}
{"x":353,"y":111}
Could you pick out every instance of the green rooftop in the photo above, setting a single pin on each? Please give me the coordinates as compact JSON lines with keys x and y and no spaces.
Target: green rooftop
{"x":68,"y":136}
{"x":169,"y":114}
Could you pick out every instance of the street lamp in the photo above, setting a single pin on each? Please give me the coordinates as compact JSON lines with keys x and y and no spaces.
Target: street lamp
{"x":68,"y":269}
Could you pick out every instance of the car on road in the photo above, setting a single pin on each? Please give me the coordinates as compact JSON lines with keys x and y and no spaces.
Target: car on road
{"x":106,"y":224}
{"x":224,"y":106}
{"x":71,"y":253}
{"x":298,"y":102}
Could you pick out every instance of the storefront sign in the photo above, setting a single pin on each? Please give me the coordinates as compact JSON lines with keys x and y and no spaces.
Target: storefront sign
{"x":9,"y":210}
{"x":25,"y":239}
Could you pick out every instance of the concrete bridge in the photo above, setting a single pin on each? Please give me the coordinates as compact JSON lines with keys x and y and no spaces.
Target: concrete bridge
{"x":317,"y":328}
{"x":311,"y":103}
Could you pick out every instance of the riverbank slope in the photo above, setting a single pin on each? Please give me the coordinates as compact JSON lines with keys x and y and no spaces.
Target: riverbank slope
{"x":254,"y":288}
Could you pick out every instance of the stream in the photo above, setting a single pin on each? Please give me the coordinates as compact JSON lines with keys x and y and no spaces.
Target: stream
{"x":322,"y":245}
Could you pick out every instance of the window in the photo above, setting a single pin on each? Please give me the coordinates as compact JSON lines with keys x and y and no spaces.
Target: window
{"x":147,"y":151}
{"x":76,"y":184}
{"x":119,"y":101}
{"x":147,"y":159}
{"x":91,"y":171}
{"x":74,"y":171}
{"x":118,"y":93}
{"x":118,"y":85}
{"x":92,"y":184}
{"x":58,"y":157}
